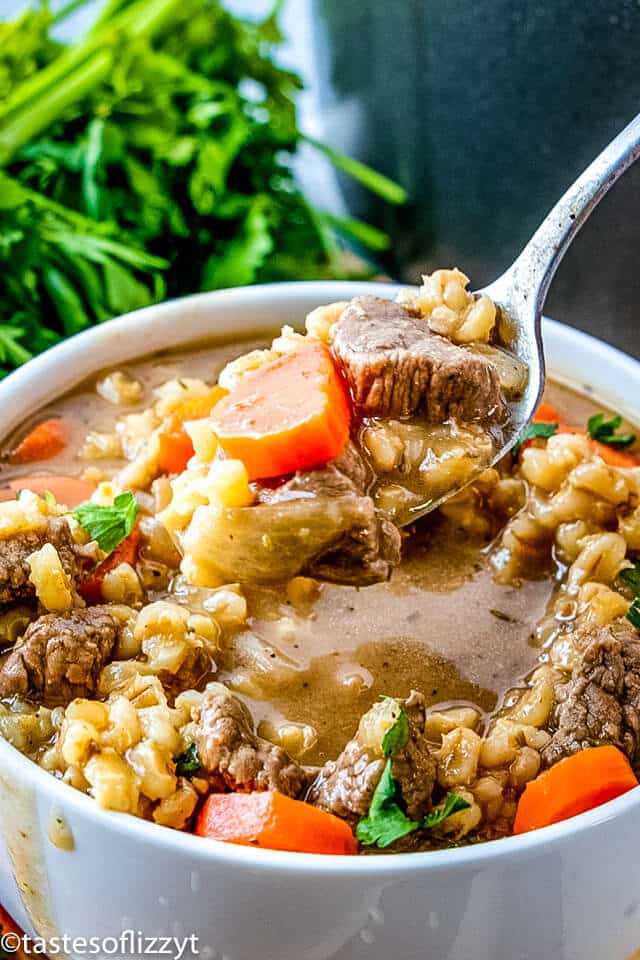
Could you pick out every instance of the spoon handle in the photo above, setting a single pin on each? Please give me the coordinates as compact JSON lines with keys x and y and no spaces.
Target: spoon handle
{"x":533,"y":271}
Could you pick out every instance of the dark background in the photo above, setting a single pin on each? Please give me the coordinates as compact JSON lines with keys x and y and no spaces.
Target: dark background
{"x":487,"y":110}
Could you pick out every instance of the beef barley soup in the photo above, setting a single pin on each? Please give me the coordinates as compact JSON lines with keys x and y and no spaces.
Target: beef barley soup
{"x":216,"y":612}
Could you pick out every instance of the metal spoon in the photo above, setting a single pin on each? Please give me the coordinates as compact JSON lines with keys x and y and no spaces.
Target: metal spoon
{"x":521,"y":291}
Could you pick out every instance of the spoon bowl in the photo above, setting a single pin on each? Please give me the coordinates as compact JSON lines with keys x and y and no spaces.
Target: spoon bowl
{"x":520,"y":293}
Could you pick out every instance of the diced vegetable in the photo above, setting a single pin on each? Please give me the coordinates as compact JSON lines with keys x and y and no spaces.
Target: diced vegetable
{"x":174,"y":451}
{"x":45,"y":441}
{"x":611,"y":454}
{"x":176,"y":448}
{"x":574,"y":785}
{"x":126,"y":552}
{"x":108,"y":524}
{"x":69,"y":491}
{"x":546,"y":414}
{"x":534,"y":431}
{"x":289,"y":414}
{"x":275,"y":541}
{"x":273,"y":821}
{"x":606,"y":431}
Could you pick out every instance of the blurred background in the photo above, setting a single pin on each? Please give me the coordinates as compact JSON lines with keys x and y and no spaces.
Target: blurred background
{"x":485,"y":112}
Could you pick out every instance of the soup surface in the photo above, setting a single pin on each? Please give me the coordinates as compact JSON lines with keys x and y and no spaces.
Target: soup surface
{"x":137,"y":670}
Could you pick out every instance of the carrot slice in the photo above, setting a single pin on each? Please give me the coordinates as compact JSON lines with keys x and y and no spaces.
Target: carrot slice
{"x":274,"y":821}
{"x":289,"y":414}
{"x":176,"y":448}
{"x":574,"y":785}
{"x":45,"y":441}
{"x":69,"y":491}
{"x":546,"y":414}
{"x":126,"y":552}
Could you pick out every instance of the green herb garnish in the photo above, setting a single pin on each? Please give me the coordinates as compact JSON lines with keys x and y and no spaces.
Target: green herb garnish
{"x":397,"y":736}
{"x":603,"y":430}
{"x":165,"y":137}
{"x":534,"y":431}
{"x":108,"y":525}
{"x":386,"y":821}
{"x":188,"y":762}
{"x":49,"y":498}
{"x":633,"y":613}
{"x":452,"y":803}
{"x":631,"y":577}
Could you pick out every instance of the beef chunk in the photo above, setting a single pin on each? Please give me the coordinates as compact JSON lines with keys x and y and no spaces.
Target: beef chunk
{"x":361,"y":552}
{"x":237,"y":758}
{"x":345,"y":786}
{"x":60,"y":656}
{"x":396,"y":366}
{"x":601,"y":702}
{"x":14,"y":569}
{"x":196,"y":666}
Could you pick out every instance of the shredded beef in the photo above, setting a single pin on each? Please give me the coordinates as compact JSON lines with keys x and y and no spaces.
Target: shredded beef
{"x":234,"y":756}
{"x":345,"y":786}
{"x":600,"y":704}
{"x":396,"y":366}
{"x":60,"y":656}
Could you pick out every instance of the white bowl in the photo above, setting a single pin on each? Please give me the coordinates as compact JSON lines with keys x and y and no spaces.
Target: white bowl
{"x":568,"y":892}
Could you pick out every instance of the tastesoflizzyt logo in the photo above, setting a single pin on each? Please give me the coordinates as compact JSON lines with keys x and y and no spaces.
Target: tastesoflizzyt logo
{"x":130,"y":943}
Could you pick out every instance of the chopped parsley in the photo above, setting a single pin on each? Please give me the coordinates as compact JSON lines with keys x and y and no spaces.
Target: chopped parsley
{"x":633,"y":613}
{"x":49,"y":498}
{"x":386,"y":821}
{"x":188,"y":762}
{"x":452,"y":803}
{"x":397,"y":736}
{"x":108,"y":525}
{"x":631,"y":577}
{"x":534,"y":431}
{"x":603,"y":430}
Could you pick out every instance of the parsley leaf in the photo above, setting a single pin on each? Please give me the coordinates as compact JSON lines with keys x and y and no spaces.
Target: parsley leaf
{"x":453,"y":803}
{"x":534,"y":431}
{"x":604,"y":431}
{"x":108,"y":525}
{"x":188,"y":762}
{"x":631,"y":577}
{"x":385,"y":823}
{"x":397,"y":736}
{"x":633,"y":613}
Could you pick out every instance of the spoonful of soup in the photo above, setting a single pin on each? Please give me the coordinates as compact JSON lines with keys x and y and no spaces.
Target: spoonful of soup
{"x":310,"y":457}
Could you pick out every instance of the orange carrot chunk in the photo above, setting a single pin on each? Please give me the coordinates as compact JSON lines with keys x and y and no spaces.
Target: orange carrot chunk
{"x":574,"y":785}
{"x":126,"y":552}
{"x":174,"y":451}
{"x":546,"y":414}
{"x":69,"y":491}
{"x":274,"y":821}
{"x":175,"y":447}
{"x":45,"y":441}
{"x":289,"y":414}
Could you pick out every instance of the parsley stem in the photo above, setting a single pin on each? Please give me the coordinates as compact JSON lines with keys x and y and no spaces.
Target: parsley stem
{"x":37,"y":102}
{"x":371,"y":179}
{"x":70,"y":8}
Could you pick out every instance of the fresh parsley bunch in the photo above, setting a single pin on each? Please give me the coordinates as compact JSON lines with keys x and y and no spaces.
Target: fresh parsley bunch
{"x":152,"y":158}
